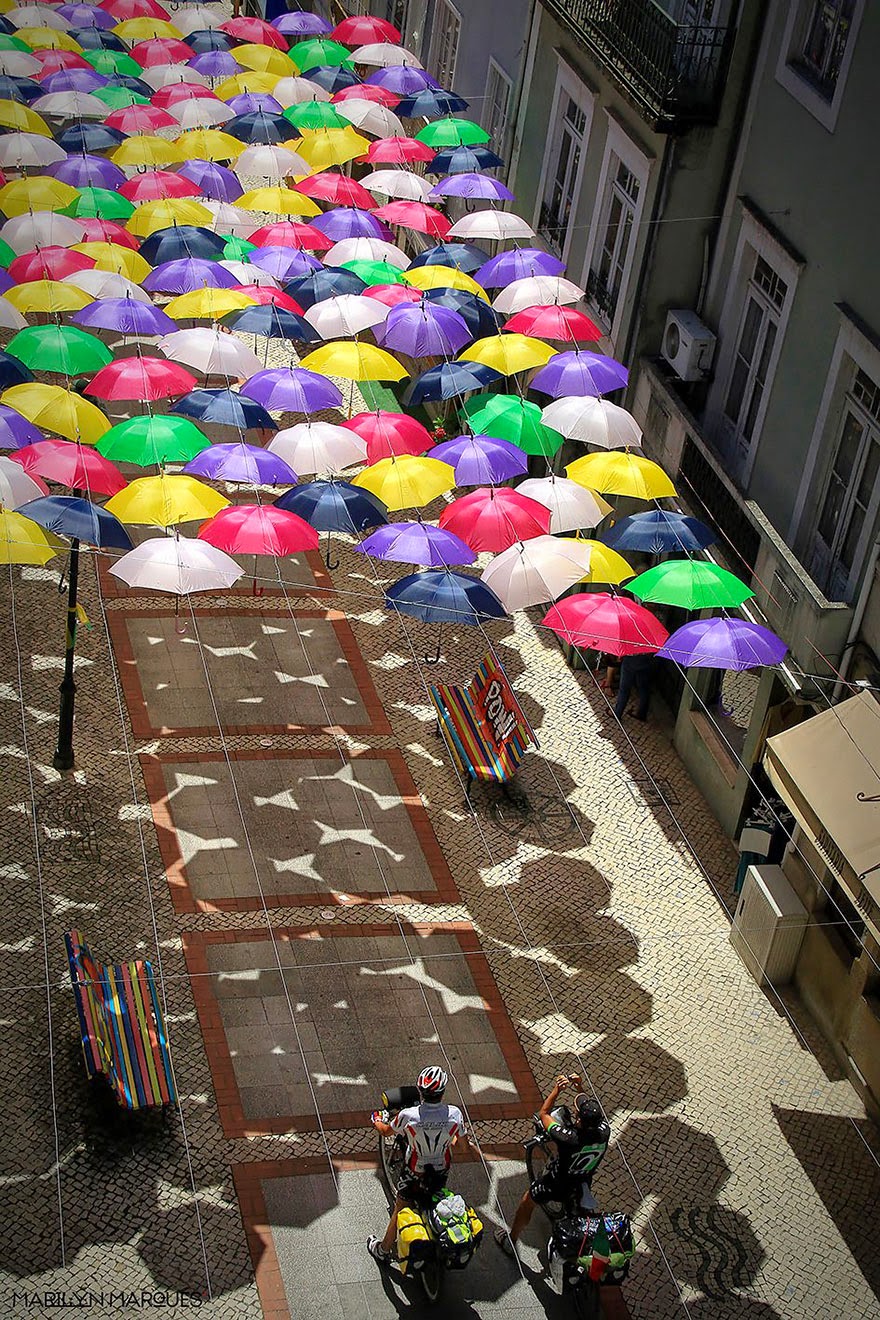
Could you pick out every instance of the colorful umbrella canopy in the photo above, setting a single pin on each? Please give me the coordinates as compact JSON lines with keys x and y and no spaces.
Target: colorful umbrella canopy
{"x":424,"y":330}
{"x":490,"y":519}
{"x":79,"y":519}
{"x":580,"y":372}
{"x":165,"y":501}
{"x":659,"y":531}
{"x":464,"y":160}
{"x":616,"y":473}
{"x":15,"y":431}
{"x":318,"y":447}
{"x":511,"y":418}
{"x":471,"y":184}
{"x":441,"y":596}
{"x":125,"y":315}
{"x":535,"y":571}
{"x":16,"y":487}
{"x":47,"y":296}
{"x":593,"y":422}
{"x":153,"y":440}
{"x":448,"y":381}
{"x":59,"y":348}
{"x":387,"y":434}
{"x":481,"y":460}
{"x":606,"y":623}
{"x":142,"y":378}
{"x":22,"y":541}
{"x":607,"y":567}
{"x":408,"y":482}
{"x":508,"y":353}
{"x":346,"y":314}
{"x":571,"y":506}
{"x":553,"y":322}
{"x":292,"y":389}
{"x":491,"y":224}
{"x":520,"y":264}
{"x":354,"y":361}
{"x":257,"y":529}
{"x":224,"y":408}
{"x":71,"y":465}
{"x":177,"y":565}
{"x":334,"y":506}
{"x":692,"y":584}
{"x":211,"y":352}
{"x":724,"y":644}
{"x":417,"y":543}
{"x":452,"y":133}
{"x":56,"y":410}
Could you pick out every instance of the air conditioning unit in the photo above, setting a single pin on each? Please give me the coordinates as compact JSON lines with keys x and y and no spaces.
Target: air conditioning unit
{"x":688,"y":345}
{"x":768,"y":925}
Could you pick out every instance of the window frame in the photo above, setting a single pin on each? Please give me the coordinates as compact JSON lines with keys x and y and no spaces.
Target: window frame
{"x":449,"y":10}
{"x":795,"y":81}
{"x":495,"y":71}
{"x":568,"y":83}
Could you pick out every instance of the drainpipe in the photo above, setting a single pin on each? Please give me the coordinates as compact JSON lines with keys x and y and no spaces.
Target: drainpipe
{"x":858,"y":616}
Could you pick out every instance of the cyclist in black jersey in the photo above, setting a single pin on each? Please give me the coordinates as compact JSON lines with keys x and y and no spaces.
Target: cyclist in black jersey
{"x":581,"y":1138}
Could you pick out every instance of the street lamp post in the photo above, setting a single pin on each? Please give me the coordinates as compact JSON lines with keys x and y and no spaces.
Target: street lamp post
{"x":64,"y":758}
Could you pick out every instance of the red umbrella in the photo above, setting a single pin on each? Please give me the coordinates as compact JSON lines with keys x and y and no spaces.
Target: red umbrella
{"x":106,"y":231}
{"x":176,"y":92}
{"x":264,"y":294}
{"x":398,"y":151}
{"x":553,"y":322}
{"x":254,"y":30}
{"x":258,"y":529}
{"x":125,"y":9}
{"x":156,"y":185}
{"x":48,"y":263}
{"x":364,"y":29}
{"x":287,"y":233}
{"x":54,"y":61}
{"x":489,"y":519}
{"x":606,"y":623}
{"x":367,"y":92}
{"x":142,"y":378}
{"x":333,"y":187}
{"x":393,"y":294}
{"x":389,"y":434}
{"x":141,"y":119}
{"x":415,"y":215}
{"x":72,"y":465}
{"x":161,"y":50}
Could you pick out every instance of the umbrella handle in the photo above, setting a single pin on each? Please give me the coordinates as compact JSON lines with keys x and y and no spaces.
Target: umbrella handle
{"x":436,"y":657}
{"x":327,"y":561}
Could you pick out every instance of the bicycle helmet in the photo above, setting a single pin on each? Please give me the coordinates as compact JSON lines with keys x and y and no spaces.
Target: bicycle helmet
{"x":432,"y":1083}
{"x":589,"y":1115}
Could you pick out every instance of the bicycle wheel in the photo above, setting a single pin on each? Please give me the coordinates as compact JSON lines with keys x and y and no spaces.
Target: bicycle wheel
{"x":537,"y":1160}
{"x":431,"y":1275}
{"x":391,"y":1161}
{"x":585,"y":1300}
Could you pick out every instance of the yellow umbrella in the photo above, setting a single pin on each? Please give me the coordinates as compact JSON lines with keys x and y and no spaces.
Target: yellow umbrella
{"x":247,"y":82}
{"x":15,"y":115}
{"x":406,"y":482}
{"x":165,"y":501}
{"x":508,"y":353}
{"x":208,"y":303}
{"x":40,"y":193}
{"x":277,"y":201}
{"x":262,"y":59}
{"x":23,"y":541}
{"x":47,"y":296}
{"x":320,"y":148}
{"x":119,"y":260}
{"x":618,"y":473}
{"x":207,"y":144}
{"x":143,"y":29}
{"x":606,"y":565}
{"x":354,"y":361}
{"x":147,"y":150}
{"x":58,"y":411}
{"x":443,"y":277}
{"x":150,"y":216}
{"x":40,"y":38}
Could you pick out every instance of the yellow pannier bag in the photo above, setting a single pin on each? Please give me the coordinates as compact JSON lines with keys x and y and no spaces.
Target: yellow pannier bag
{"x":411,"y":1233}
{"x":476,"y":1223}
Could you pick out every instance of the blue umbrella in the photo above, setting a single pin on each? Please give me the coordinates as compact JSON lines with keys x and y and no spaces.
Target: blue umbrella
{"x":461,"y":256}
{"x":479,"y":317}
{"x":79,"y":519}
{"x":657,"y":532}
{"x":224,"y":408}
{"x":92,"y":38}
{"x":328,"y":283}
{"x":442,"y":596}
{"x":334,"y":506}
{"x":447,"y":381}
{"x":19,"y":89}
{"x":181,"y":241}
{"x":283,"y":262}
{"x":74,"y":80}
{"x":206,"y":39}
{"x":258,"y":126}
{"x":131,"y":83}
{"x":430,"y":104}
{"x":81,"y":138}
{"x":332,"y":79}
{"x":214,"y":180}
{"x":463,"y":160}
{"x":520,"y":264}
{"x":13,"y":372}
{"x":272,"y":322}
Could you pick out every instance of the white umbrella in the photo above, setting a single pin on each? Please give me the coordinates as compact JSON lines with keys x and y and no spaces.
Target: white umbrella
{"x":402,"y":184}
{"x":349,"y":314}
{"x":571,"y":506}
{"x":318,"y":447}
{"x":371,"y":118}
{"x":106,"y":284}
{"x":229,"y":219}
{"x":536,"y":571}
{"x":177,"y":565}
{"x":37,"y":16}
{"x":22,"y":150}
{"x":365,"y":249}
{"x":262,"y":161}
{"x":41,"y":229}
{"x":200,"y":112}
{"x":18,"y":64}
{"x":294,"y":91}
{"x":593,"y":422}
{"x":492,"y":224}
{"x":211,"y":352}
{"x":163,"y":75}
{"x":383,"y":54}
{"x":70,"y":105}
{"x":198,"y":18}
{"x":245,"y":273}
{"x":16,"y":487}
{"x":10,"y":317}
{"x":537,"y":291}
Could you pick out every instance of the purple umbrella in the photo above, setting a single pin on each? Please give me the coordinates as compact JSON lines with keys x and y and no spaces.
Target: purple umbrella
{"x":126,"y":315}
{"x":402,"y":80}
{"x":284,"y":263}
{"x":74,"y":80}
{"x":481,"y":460}
{"x":301,"y":24}
{"x":423,"y":329}
{"x":417,"y":543}
{"x":502,"y":270}
{"x":723,"y":643}
{"x":579,"y":373}
{"x":248,"y":102}
{"x":215,"y":64}
{"x":470,"y":185}
{"x":187,"y":274}
{"x":86,"y":16}
{"x":16,"y":431}
{"x":351,"y":222}
{"x":241,"y":462}
{"x":292,"y":389}
{"x":88,"y":172}
{"x":214,"y":180}
{"x":6,"y":281}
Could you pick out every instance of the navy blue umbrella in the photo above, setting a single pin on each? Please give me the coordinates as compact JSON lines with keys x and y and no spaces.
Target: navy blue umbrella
{"x":447,"y":381}
{"x":92,"y":38}
{"x":479,"y":317}
{"x":206,"y":39}
{"x":82,"y":138}
{"x":272,"y":323}
{"x":131,"y":83}
{"x":328,"y":283}
{"x":224,"y":408}
{"x":178,"y":242}
{"x":334,"y":506}
{"x":657,"y":532}
{"x":463,"y":160}
{"x":79,"y":519}
{"x":332,"y":79}
{"x":13,"y":372}
{"x":5,"y":25}
{"x":19,"y":89}
{"x":461,"y":256}
{"x":430,"y":104}
{"x":443,"y":596}
{"x":260,"y":126}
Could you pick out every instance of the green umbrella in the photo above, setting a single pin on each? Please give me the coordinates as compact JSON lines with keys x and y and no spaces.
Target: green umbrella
{"x":374,"y":272}
{"x":112,"y":61}
{"x":148,"y":440}
{"x":6,"y":254}
{"x":119,"y":98}
{"x":508,"y":417}
{"x":14,"y":43}
{"x":452,"y":133}
{"x":319,"y":52}
{"x":315,"y":114}
{"x":237,"y":249}
{"x":60,"y":348}
{"x":101,"y":202}
{"x":693,"y":584}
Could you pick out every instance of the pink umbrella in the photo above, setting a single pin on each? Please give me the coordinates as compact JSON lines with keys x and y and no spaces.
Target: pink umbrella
{"x":606,"y":623}
{"x":161,"y":51}
{"x":389,"y":435}
{"x":415,"y":215}
{"x":287,"y":233}
{"x":337,"y":188}
{"x":122,"y":10}
{"x":490,"y":519}
{"x":258,"y":529}
{"x":73,"y":465}
{"x":255,"y":30}
{"x":367,"y":92}
{"x":142,"y":378}
{"x":398,"y":151}
{"x":106,"y":231}
{"x":156,"y":185}
{"x":362,"y":29}
{"x":141,"y":119}
{"x":48,"y":263}
{"x":392,"y":295}
{"x":176,"y":92}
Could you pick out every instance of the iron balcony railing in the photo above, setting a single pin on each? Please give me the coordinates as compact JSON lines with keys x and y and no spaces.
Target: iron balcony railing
{"x":672,"y":72}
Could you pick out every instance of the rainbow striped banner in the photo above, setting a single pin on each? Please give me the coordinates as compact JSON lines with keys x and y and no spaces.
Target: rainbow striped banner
{"x":485,"y":730}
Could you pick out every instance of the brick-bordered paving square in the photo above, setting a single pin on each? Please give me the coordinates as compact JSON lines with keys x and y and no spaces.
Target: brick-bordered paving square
{"x":352,"y":1010}
{"x":305,"y":663}
{"x":292,"y":828}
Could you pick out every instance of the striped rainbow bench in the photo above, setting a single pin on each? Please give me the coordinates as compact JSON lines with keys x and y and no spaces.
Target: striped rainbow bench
{"x":483,"y":726}
{"x":121,"y":1027}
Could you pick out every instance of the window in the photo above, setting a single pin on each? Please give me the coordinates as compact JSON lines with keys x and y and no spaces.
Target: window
{"x":398,"y":15}
{"x":496,"y":107}
{"x":754,"y":352}
{"x":444,"y":43}
{"x":824,"y":43}
{"x":561,"y":186}
{"x":817,"y":48}
{"x":616,"y":236}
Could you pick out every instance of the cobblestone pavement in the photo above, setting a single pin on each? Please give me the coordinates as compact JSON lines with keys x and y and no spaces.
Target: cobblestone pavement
{"x":261,"y":806}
